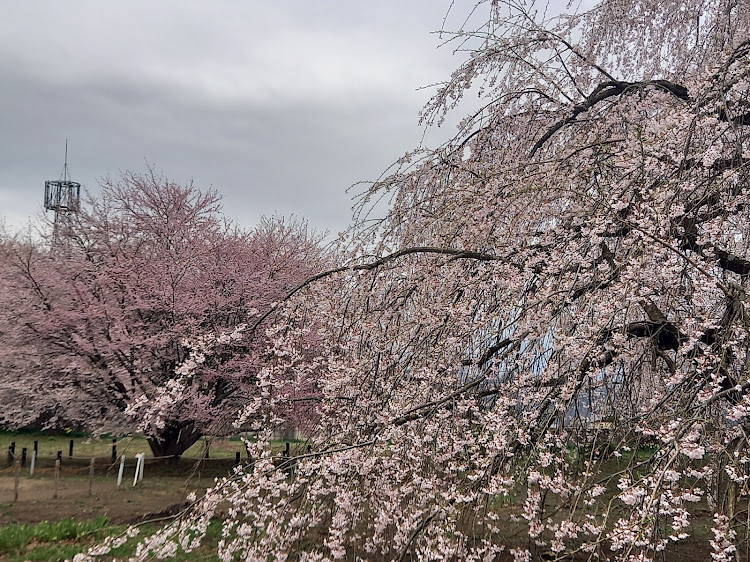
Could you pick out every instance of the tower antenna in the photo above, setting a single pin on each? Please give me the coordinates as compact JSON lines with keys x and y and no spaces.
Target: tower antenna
{"x":65,"y":166}
{"x":62,"y":196}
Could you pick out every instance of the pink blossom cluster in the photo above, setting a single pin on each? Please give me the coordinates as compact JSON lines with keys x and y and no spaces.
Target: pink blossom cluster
{"x":541,"y":349}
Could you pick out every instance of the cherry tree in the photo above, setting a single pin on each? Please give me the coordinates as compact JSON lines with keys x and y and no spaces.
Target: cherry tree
{"x":127,"y":292}
{"x":557,"y":288}
{"x":29,"y":392}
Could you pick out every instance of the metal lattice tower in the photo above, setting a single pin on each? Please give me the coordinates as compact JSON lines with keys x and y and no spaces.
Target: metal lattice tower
{"x":62,"y":196}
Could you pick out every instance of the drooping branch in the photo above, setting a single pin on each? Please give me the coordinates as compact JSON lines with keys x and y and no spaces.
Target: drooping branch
{"x":454,"y":253}
{"x":489,"y":353}
{"x":729,"y":262}
{"x":605,"y":91}
{"x":665,"y":335}
{"x":417,"y":412}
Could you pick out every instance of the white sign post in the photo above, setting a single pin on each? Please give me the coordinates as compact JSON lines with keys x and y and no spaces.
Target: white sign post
{"x":138,"y":468}
{"x":122,"y":467}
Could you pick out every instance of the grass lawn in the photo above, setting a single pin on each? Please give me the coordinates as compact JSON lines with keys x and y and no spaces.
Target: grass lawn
{"x":65,"y":538}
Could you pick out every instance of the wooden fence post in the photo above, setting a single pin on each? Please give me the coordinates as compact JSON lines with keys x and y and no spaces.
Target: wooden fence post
{"x":23,"y":456}
{"x":114,"y":451}
{"x":287,"y":454}
{"x":70,"y":449}
{"x":15,"y":484}
{"x":91,"y":475}
{"x":57,"y":475}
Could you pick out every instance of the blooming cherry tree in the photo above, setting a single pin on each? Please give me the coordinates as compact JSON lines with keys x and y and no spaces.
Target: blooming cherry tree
{"x":542,"y":350}
{"x":120,"y":303}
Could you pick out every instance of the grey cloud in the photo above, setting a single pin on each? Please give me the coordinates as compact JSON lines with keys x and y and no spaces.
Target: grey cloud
{"x":289,"y":140}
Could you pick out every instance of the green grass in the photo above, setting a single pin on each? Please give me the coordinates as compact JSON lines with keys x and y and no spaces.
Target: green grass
{"x":205,"y":553}
{"x":66,"y":538}
{"x":51,"y":541}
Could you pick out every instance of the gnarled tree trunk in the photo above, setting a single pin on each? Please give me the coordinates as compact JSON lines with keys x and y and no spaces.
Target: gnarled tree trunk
{"x":174,"y":439}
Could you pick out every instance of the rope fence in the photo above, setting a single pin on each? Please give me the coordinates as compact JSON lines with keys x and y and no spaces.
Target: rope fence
{"x":71,"y":465}
{"x":119,"y":467}
{"x":27,"y":455}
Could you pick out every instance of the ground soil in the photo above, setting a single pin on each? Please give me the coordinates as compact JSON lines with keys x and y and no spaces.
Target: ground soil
{"x":151,"y":498}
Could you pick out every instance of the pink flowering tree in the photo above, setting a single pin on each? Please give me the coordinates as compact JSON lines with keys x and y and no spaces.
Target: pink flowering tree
{"x":121,"y":307}
{"x":542,"y":350}
{"x":30,"y":393}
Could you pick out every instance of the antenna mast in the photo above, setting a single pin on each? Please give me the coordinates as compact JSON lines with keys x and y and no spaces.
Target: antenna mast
{"x":62,"y":196}
{"x":65,"y":166}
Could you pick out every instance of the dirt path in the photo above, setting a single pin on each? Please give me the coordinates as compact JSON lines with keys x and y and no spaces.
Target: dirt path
{"x":121,"y":505}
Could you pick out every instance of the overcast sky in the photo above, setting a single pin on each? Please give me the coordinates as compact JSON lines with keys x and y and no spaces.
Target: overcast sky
{"x":280,"y":105}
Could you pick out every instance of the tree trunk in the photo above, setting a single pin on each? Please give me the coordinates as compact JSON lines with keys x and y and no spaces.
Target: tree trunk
{"x":174,"y":439}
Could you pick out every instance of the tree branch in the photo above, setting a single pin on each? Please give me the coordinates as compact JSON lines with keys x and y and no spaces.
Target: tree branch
{"x":455,"y":254}
{"x":602,"y":92}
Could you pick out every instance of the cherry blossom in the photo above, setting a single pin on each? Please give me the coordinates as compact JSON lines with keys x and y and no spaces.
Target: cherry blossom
{"x":137,"y":314}
{"x":564,"y":280}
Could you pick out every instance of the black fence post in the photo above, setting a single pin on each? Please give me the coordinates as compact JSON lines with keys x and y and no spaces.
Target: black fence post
{"x":288,"y":454}
{"x":59,"y":456}
{"x":114,"y":451}
{"x":70,"y":449}
{"x":36,"y":447}
{"x":237,"y":458}
{"x":23,"y":456}
{"x":11,"y":452}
